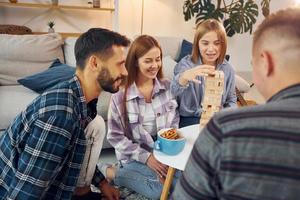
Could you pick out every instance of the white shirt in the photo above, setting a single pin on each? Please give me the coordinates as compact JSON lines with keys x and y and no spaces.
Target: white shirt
{"x":149,"y":120}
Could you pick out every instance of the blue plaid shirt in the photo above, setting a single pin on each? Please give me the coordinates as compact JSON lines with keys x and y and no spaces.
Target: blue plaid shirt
{"x":42,"y":151}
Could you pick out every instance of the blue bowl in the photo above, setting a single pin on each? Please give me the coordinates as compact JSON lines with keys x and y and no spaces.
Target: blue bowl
{"x":169,"y":146}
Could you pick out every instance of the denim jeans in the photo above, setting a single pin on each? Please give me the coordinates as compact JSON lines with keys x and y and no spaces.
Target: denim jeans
{"x":187,"y":121}
{"x":141,"y":179}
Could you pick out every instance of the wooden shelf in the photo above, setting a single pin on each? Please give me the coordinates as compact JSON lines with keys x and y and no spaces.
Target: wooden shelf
{"x":50,"y":6}
{"x":63,"y":34}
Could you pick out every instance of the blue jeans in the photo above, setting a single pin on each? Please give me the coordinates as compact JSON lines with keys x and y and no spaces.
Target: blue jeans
{"x":141,"y":179}
{"x":186,"y":121}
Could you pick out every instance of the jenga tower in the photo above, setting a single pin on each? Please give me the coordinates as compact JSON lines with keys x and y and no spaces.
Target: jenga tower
{"x":214,"y":87}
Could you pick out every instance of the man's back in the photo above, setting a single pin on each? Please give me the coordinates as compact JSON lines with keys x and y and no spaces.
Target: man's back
{"x":250,"y":153}
{"x":260,"y":149}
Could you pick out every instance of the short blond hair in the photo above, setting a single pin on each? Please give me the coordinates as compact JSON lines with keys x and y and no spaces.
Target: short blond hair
{"x":281,"y":23}
{"x":205,"y":27}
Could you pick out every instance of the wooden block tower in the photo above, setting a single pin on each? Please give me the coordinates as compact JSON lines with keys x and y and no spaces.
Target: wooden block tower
{"x":213,"y":90}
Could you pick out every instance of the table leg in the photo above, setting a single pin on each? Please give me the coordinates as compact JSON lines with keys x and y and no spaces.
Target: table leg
{"x":167,"y":184}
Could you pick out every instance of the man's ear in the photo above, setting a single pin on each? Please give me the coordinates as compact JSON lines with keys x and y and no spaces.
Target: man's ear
{"x":94,"y":63}
{"x":268,"y":63}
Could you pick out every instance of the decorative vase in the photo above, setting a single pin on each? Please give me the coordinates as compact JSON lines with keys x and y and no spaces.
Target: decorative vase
{"x":13,"y":1}
{"x":54,"y":2}
{"x":51,"y":30}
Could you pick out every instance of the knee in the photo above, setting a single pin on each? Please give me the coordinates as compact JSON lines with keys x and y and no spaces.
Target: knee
{"x":96,"y":128}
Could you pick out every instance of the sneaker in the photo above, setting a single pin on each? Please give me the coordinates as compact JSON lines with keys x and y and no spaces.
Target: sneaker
{"x":103,"y":168}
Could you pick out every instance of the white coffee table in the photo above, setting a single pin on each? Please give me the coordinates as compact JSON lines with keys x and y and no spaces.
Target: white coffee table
{"x":178,"y":161}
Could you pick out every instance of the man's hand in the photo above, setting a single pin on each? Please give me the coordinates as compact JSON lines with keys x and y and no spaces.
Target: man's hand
{"x":109,"y":191}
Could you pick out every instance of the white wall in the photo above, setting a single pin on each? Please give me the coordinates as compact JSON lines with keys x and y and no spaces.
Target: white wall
{"x":161,"y":18}
{"x":239,"y":46}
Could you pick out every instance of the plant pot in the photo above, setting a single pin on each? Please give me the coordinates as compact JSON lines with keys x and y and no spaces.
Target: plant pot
{"x":96,"y":3}
{"x":51,"y":30}
{"x":54,"y":2}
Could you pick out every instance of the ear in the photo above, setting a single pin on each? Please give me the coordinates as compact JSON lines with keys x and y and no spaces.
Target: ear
{"x":93,"y":63}
{"x":268,"y":63}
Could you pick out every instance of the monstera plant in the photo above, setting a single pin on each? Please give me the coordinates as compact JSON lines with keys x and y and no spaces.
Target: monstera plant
{"x":238,"y":16}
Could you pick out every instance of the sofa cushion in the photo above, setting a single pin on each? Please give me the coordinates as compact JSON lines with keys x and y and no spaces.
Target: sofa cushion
{"x":27,"y":54}
{"x":242,"y":85}
{"x":168,"y":67}
{"x":44,"y":80}
{"x":69,"y":51}
{"x":14,"y":99}
{"x":186,"y":49}
{"x":170,"y":46}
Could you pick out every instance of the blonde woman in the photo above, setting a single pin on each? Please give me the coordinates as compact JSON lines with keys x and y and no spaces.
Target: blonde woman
{"x":208,"y":55}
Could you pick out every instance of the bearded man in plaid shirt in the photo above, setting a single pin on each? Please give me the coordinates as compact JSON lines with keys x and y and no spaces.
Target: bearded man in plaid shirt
{"x":48,"y":148}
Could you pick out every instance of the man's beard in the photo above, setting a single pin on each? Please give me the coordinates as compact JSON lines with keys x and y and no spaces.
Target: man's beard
{"x":106,"y":82}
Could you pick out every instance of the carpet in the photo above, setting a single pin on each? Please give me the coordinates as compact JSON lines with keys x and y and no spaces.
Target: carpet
{"x":125,"y":194}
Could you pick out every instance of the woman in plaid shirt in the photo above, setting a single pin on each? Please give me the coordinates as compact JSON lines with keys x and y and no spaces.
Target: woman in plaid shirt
{"x":137,"y":112}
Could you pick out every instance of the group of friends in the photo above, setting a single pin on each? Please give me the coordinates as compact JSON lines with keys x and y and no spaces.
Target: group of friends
{"x":51,"y":150}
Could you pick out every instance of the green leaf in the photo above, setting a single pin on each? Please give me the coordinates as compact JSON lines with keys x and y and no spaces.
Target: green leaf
{"x":207,"y":10}
{"x":242,"y":16}
{"x":188,"y":11}
{"x":229,"y":30}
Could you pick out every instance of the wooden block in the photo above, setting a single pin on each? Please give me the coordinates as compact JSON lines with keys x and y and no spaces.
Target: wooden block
{"x":213,"y":90}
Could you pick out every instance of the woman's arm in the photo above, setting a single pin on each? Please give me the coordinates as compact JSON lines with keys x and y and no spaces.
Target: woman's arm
{"x":231,"y":95}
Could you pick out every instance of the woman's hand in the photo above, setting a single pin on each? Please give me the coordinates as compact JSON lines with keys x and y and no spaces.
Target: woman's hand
{"x":157,"y":166}
{"x":192,"y":74}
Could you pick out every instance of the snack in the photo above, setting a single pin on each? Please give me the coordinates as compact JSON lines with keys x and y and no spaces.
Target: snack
{"x":170,"y":134}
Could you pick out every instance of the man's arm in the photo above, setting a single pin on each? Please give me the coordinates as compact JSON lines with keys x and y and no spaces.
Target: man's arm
{"x":199,"y":179}
{"x":41,"y":159}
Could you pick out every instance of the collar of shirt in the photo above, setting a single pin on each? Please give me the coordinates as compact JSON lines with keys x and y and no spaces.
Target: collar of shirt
{"x":133,"y":91}
{"x":291,"y":91}
{"x":76,"y":86}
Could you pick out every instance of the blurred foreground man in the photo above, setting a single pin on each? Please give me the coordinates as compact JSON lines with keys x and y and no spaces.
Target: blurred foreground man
{"x":253,"y":153}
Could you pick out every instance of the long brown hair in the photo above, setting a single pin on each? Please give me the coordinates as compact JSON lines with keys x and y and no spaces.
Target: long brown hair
{"x":139,"y":47}
{"x":205,"y":27}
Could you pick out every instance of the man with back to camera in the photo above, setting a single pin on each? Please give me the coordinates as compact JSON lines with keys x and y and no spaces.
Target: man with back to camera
{"x":48,"y":151}
{"x":253,"y":153}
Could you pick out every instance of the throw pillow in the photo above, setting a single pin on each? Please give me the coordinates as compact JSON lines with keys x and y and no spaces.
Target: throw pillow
{"x":186,"y":48}
{"x":42,"y":81}
{"x":25,"y":55}
{"x":242,"y":85}
{"x":168,"y":67}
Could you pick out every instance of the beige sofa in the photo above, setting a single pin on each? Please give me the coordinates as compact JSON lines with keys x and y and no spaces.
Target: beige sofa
{"x":23,"y":55}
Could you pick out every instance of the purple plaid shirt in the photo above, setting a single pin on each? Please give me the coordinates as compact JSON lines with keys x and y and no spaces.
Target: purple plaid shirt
{"x":165,"y":108}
